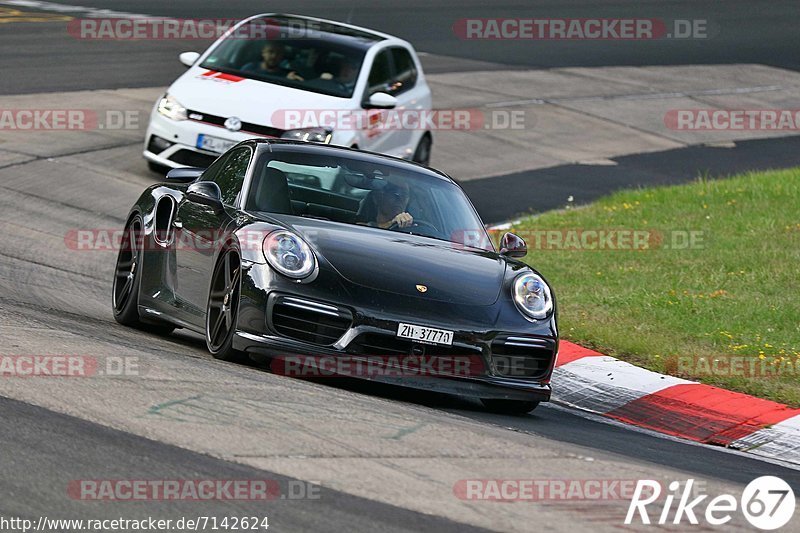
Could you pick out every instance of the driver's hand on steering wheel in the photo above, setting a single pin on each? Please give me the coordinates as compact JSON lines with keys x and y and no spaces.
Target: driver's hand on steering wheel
{"x":402,"y":220}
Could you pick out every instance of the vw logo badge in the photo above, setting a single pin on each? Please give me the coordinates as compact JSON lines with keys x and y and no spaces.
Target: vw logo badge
{"x":233,"y":124}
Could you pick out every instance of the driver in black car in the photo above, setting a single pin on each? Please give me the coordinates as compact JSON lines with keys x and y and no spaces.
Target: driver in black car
{"x":390,"y":206}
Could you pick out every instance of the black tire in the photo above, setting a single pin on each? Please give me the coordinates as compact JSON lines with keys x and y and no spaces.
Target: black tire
{"x":158,"y":169}
{"x":422,"y":154}
{"x":509,"y":407}
{"x":223,"y":306}
{"x":125,"y":296}
{"x":127,"y":279}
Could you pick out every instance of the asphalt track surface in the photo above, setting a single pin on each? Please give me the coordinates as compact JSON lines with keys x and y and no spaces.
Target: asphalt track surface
{"x":499,"y":198}
{"x":46,"y":58}
{"x":50,"y":450}
{"x":52,"y":300}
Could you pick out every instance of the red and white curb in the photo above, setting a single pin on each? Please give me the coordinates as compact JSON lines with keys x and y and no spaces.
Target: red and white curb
{"x":600,"y":384}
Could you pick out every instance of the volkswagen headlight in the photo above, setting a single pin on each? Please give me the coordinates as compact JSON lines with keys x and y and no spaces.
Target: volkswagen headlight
{"x":289,"y":254}
{"x":314,"y":135}
{"x":532,"y":296}
{"x":171,"y":108}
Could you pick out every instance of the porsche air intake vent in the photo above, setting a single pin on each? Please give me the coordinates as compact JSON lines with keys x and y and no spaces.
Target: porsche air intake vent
{"x":522,"y":357}
{"x":164,"y":215}
{"x":308,"y":321}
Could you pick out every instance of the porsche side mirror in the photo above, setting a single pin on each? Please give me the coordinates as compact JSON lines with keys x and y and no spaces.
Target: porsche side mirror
{"x":380,"y":101}
{"x":188,"y":58}
{"x":513,"y":246}
{"x":184,"y":174}
{"x":206,"y":193}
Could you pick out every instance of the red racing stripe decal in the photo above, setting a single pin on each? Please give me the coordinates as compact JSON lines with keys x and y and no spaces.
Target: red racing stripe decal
{"x":703,"y":413}
{"x":222,"y":76}
{"x":229,"y":77}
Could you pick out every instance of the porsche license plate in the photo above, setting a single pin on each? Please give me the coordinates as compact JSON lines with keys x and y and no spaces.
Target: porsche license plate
{"x":425,"y":334}
{"x":213,"y":144}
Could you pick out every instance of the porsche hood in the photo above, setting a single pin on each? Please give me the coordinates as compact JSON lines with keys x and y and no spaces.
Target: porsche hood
{"x":404,"y":264}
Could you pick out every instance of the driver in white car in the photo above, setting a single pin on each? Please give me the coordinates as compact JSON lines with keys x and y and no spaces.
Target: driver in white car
{"x":271,"y":57}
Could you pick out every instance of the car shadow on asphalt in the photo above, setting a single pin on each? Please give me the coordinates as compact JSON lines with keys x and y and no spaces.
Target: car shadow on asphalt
{"x":555,"y":423}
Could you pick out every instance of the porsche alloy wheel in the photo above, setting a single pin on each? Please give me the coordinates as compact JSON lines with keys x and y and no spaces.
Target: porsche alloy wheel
{"x":223,"y":306}
{"x":128,"y":279}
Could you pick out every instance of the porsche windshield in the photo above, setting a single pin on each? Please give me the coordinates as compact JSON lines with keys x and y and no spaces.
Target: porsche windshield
{"x":318,"y":64}
{"x":352,"y":190}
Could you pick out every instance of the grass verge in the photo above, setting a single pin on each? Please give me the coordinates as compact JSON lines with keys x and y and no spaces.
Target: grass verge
{"x":708,"y":290}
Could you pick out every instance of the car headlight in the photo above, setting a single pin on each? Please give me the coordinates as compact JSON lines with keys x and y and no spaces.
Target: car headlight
{"x":532,"y":296}
{"x":289,"y":254}
{"x":171,"y":108}
{"x":314,"y":135}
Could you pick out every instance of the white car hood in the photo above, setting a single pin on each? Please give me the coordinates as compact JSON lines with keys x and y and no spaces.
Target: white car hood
{"x":213,"y":93}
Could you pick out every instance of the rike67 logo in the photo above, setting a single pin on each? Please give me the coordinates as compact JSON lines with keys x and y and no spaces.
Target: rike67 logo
{"x":767,"y":503}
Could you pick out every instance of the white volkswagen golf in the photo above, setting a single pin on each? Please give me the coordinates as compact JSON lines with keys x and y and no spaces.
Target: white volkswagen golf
{"x":293,"y":77}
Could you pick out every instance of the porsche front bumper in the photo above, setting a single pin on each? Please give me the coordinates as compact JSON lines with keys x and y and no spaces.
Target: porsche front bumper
{"x":515,"y":363}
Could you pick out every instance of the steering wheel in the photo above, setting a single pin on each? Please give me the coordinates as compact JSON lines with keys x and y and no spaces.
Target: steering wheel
{"x":414,"y":226}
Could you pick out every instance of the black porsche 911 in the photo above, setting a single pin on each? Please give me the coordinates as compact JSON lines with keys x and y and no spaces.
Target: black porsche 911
{"x":285,"y":249}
